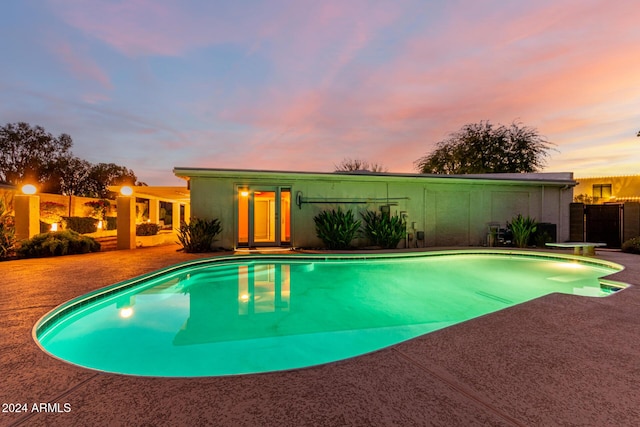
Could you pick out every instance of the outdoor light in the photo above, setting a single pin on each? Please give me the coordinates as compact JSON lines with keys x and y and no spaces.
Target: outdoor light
{"x":126,"y":190}
{"x":29,"y":189}
{"x":244,"y":193}
{"x":100,"y":225}
{"x":54,"y":226}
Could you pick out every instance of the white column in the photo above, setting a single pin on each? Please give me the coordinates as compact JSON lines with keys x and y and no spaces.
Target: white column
{"x":27,"y":215}
{"x":126,"y":222}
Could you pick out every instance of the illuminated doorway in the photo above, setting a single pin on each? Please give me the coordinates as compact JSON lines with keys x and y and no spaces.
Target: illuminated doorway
{"x":264,"y":216}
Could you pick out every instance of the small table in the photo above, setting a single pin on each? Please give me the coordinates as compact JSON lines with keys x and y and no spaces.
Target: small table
{"x":587,"y":248}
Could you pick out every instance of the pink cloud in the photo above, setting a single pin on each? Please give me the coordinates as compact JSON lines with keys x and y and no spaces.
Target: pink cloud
{"x":550,"y":64}
{"x":80,"y":64}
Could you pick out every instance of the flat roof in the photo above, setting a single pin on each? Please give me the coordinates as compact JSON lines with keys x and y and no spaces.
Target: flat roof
{"x":555,"y":178}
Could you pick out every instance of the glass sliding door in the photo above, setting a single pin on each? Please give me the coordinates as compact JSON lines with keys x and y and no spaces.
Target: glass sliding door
{"x":264,"y":216}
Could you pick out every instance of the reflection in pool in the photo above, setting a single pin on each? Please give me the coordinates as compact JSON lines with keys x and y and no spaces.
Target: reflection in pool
{"x":239,"y":315}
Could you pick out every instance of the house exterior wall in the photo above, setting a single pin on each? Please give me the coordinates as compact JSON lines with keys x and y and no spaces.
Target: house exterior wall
{"x":623,"y":188}
{"x":451,"y":211}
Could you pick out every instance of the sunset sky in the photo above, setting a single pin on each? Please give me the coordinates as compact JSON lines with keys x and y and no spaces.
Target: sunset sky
{"x":300,"y":85}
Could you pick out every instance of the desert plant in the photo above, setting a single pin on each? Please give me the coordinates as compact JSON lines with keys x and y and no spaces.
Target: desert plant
{"x":199,"y":234}
{"x":66,"y":242}
{"x":147,"y":229}
{"x":336,"y":228}
{"x":522,"y":229}
{"x":384,"y":230}
{"x":631,"y":246}
{"x":7,"y":232}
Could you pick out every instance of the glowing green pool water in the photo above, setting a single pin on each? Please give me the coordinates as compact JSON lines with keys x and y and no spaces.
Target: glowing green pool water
{"x":257,"y":314}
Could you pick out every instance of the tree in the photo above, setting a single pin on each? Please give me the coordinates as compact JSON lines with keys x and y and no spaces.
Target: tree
{"x":74,"y":176}
{"x":485,"y":148}
{"x":103,"y":175}
{"x":351,"y":165}
{"x":29,"y":153}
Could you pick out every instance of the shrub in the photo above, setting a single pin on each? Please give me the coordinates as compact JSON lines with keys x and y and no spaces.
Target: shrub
{"x":147,"y":229}
{"x":632,"y":246}
{"x":98,"y":208}
{"x":199,"y":234}
{"x":7,"y":232}
{"x":66,"y":242}
{"x":522,"y":229}
{"x":336,"y":228}
{"x":51,"y":212}
{"x":111,"y":223}
{"x":383,"y":230}
{"x":81,"y":224}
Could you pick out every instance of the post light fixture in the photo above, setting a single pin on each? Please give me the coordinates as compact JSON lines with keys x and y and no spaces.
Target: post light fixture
{"x":125,"y":190}
{"x":29,"y":189}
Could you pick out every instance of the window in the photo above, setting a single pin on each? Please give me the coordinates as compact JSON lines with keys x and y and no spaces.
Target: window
{"x":601,"y":192}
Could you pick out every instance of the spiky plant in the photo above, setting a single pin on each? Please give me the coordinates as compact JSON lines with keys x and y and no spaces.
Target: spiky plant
{"x":199,"y":234}
{"x":522,"y":229}
{"x":384,"y":230}
{"x":336,"y":228}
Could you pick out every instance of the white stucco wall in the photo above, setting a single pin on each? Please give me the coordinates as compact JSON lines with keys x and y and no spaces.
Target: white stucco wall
{"x":452,"y":211}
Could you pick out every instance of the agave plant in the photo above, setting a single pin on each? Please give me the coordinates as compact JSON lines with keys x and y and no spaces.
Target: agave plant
{"x":199,"y":234}
{"x":336,"y":228}
{"x":522,"y":229}
{"x":383,"y":230}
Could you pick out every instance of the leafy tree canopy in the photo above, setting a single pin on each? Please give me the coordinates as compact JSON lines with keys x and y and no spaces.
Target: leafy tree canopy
{"x":29,"y":154}
{"x":485,"y":148}
{"x":351,"y":165}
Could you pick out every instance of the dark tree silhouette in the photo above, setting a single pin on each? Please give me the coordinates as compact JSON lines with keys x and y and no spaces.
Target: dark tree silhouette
{"x":485,"y":148}
{"x":352,"y":165}
{"x":30,"y":154}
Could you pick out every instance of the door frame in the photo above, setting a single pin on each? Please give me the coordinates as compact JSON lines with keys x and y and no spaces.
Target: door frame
{"x":252,"y":189}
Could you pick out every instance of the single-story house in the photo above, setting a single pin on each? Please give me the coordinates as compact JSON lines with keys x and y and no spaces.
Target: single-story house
{"x":608,"y":189}
{"x":276,"y":208}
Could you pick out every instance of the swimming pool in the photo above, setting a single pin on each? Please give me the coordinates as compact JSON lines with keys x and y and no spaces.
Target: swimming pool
{"x":249,"y":314}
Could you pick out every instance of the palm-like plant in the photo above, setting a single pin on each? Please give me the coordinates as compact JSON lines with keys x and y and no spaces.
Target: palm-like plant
{"x":336,"y":228}
{"x":522,"y":229}
{"x":199,"y":234}
{"x":383,"y":230}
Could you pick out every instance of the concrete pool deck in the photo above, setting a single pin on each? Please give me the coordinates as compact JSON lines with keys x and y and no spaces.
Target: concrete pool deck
{"x":556,"y":360}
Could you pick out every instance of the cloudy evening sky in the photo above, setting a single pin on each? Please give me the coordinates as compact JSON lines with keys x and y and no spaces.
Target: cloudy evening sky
{"x":300,"y":85}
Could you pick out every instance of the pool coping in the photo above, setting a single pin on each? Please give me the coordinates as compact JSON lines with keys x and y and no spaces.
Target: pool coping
{"x":539,"y":363}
